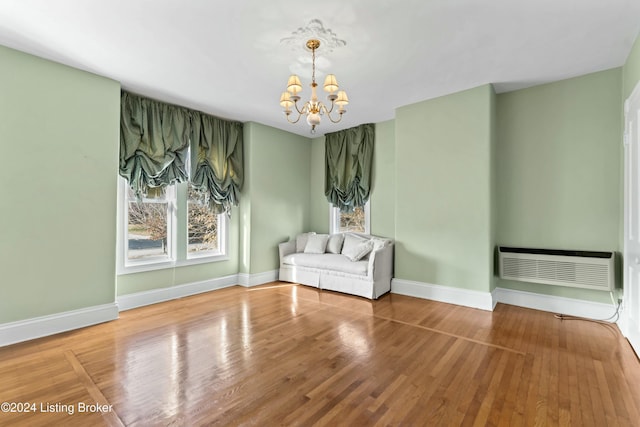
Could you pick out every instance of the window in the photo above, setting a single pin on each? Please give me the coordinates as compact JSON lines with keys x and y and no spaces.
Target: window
{"x":357,"y":221}
{"x":203,"y":231}
{"x":167,"y":229}
{"x":148,"y":226}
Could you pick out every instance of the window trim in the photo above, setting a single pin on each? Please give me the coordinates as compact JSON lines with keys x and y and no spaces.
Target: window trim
{"x":175,"y":259}
{"x":334,"y":218}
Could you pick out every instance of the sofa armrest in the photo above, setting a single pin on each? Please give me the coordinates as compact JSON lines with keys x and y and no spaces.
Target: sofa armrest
{"x":286,"y":248}
{"x":381,"y":263}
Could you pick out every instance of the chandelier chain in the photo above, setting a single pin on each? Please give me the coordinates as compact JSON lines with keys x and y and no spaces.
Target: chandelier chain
{"x":313,"y":65}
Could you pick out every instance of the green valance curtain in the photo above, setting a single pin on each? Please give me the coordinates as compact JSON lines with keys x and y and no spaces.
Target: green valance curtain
{"x":154,"y":142}
{"x":348,"y":163}
{"x":219,"y":167}
{"x":154,"y":138}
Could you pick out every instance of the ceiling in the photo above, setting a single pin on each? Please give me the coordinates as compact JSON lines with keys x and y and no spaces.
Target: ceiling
{"x":227,"y":58}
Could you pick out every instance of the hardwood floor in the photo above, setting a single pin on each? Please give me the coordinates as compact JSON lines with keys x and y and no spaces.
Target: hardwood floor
{"x":282,"y":354}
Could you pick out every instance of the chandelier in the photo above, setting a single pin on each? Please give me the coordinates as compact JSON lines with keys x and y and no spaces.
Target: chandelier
{"x":313,"y":108}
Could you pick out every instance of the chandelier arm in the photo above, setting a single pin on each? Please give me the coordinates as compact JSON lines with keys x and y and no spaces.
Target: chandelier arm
{"x":327,"y":110}
{"x":304,"y":107}
{"x":334,"y":121}
{"x":296,"y":120}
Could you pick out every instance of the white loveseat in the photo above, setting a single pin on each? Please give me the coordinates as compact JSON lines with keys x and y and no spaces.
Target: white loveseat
{"x":341,"y":264}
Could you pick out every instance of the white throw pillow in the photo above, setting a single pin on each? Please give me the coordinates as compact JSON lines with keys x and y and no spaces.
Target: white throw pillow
{"x":301,"y":241}
{"x":316,"y":244}
{"x":351,"y":241}
{"x":356,"y":253}
{"x":334,"y":246}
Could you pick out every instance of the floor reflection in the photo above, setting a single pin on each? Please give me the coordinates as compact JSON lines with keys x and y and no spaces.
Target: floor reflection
{"x":354,"y":339}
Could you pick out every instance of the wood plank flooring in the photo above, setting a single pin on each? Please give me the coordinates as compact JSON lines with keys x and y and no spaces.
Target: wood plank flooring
{"x":282,"y":354}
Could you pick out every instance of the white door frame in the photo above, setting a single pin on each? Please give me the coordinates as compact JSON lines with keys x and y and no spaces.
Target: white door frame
{"x":629,"y":322}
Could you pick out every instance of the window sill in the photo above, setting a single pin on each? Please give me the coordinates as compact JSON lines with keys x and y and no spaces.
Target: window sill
{"x":202,"y":259}
{"x":164,"y":265}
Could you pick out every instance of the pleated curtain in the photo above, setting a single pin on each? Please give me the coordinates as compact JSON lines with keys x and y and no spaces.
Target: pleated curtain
{"x":219,"y":168}
{"x":154,"y":138}
{"x":348,"y":164}
{"x":154,"y":142}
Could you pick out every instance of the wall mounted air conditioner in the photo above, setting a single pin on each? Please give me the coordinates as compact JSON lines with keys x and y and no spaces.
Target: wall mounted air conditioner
{"x":578,"y":269}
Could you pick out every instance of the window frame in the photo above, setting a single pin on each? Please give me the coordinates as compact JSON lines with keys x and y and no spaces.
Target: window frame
{"x":334,"y":218}
{"x":177,"y":235}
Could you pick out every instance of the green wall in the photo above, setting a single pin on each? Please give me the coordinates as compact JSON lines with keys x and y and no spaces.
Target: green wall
{"x":493,"y":182}
{"x":558,"y":158}
{"x":383,"y":189}
{"x":277,"y":194}
{"x":59,"y":132}
{"x":443,"y":190}
{"x":319,"y":219}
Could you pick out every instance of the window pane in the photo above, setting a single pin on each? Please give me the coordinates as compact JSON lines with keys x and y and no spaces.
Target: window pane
{"x":353,"y":221}
{"x":202,"y":225}
{"x":147,"y":230}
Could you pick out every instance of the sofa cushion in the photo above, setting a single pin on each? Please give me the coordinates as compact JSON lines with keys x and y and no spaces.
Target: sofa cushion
{"x":316,"y":244}
{"x":301,"y":241}
{"x":332,"y":262}
{"x":334,"y":246}
{"x":358,"y":252}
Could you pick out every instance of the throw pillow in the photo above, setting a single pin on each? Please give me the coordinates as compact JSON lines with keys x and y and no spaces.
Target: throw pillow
{"x":301,"y":241}
{"x":351,"y":241}
{"x":334,"y":246}
{"x":356,"y":253}
{"x":316,"y":244}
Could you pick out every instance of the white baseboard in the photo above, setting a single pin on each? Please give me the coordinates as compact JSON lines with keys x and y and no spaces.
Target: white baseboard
{"x":623,"y":324}
{"x":140,"y":299}
{"x":488,"y":301}
{"x":38,"y":327}
{"x":24,"y":330}
{"x":249,"y":280}
{"x":465,"y":297}
{"x":554,"y":304}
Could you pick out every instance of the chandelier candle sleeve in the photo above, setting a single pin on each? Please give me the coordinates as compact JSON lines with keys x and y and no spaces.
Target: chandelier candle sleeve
{"x":313,"y":108}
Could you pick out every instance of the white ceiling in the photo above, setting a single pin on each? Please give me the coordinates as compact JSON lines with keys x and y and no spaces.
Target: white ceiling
{"x":226,"y":58}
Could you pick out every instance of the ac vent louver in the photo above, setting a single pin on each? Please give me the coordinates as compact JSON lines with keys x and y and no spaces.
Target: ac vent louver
{"x":580,"y":269}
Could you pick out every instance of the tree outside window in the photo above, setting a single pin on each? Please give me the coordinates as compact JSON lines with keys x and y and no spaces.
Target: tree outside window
{"x":147,"y":226}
